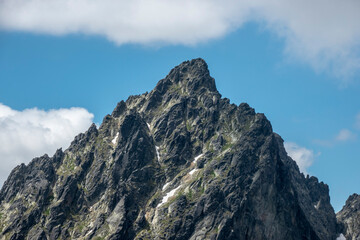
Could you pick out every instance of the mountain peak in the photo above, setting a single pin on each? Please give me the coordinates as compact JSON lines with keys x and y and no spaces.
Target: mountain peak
{"x":190,"y":79}
{"x":193,"y":76}
{"x":194,"y":67}
{"x":177,"y":163}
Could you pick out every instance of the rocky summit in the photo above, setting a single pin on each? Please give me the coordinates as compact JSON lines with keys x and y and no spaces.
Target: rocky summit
{"x":180,"y":162}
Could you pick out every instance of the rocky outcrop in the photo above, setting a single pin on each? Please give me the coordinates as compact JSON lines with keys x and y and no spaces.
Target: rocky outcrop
{"x":349,"y":216}
{"x":179,"y":162}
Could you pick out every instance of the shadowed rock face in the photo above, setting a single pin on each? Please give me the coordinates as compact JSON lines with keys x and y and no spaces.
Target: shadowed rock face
{"x":179,"y":162}
{"x":350,"y":217}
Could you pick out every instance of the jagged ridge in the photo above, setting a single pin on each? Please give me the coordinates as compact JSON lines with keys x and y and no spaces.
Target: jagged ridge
{"x":179,"y":162}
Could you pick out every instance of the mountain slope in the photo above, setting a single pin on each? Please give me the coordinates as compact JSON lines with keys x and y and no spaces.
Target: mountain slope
{"x":350,"y":217}
{"x":179,"y":162}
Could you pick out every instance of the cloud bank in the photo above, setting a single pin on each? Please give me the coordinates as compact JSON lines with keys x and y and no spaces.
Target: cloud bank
{"x":32,"y":132}
{"x":302,"y":156}
{"x":322,"y":33}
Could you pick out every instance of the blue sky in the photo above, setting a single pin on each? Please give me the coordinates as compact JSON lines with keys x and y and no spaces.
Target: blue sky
{"x":308,"y":88}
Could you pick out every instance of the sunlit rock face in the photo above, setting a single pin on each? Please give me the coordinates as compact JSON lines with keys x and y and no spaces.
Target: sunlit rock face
{"x":350,"y":217}
{"x":179,"y":162}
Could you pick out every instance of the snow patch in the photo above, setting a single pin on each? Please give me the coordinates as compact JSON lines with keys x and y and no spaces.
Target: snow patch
{"x":341,"y":237}
{"x":115,"y":138}
{"x":167,"y":196}
{"x":197,"y":157}
{"x":157,"y":153}
{"x":317,"y":205}
{"x":193,"y":171}
{"x":165,"y":186}
{"x":148,"y":126}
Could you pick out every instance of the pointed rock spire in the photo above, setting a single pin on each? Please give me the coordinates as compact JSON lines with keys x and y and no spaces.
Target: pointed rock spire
{"x":193,"y":75}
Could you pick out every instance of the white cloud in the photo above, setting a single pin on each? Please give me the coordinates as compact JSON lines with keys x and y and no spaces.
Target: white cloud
{"x":345,"y":135}
{"x":322,"y":33}
{"x":357,"y":121}
{"x":122,"y":21}
{"x":302,"y":156}
{"x":32,"y":132}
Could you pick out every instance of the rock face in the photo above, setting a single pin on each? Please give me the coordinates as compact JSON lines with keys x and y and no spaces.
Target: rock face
{"x":179,"y":162}
{"x":350,"y":217}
